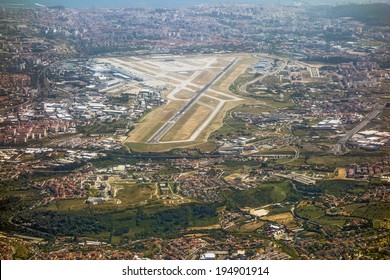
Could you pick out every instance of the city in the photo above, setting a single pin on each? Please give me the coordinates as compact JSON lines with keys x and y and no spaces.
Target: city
{"x":224,"y":131}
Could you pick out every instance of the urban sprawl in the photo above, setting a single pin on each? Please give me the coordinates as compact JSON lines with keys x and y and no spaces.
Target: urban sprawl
{"x":207,"y":132}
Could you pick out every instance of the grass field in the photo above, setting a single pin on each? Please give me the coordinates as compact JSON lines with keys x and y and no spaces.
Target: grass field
{"x":261,"y":196}
{"x":221,"y":63}
{"x":252,"y":109}
{"x":201,"y":142}
{"x":331,"y":224}
{"x":271,"y":80}
{"x":162,"y":147}
{"x":207,"y":146}
{"x":249,"y":227}
{"x":184,"y":94}
{"x":241,"y":66}
{"x":342,"y":187}
{"x":310,"y":212}
{"x":192,"y":87}
{"x":356,"y":213}
{"x":187,"y":125}
{"x":205,"y":77}
{"x":209,"y":101}
{"x":286,"y":219}
{"x":194,"y":117}
{"x":217,"y":123}
{"x":377,"y":211}
{"x":131,"y":193}
{"x":215,"y":226}
{"x":67,"y":205}
{"x":350,"y":158}
{"x":153,"y":121}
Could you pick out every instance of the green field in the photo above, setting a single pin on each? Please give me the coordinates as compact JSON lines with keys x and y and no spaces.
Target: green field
{"x":330,"y":223}
{"x":270,"y":80}
{"x":359,"y":157}
{"x":104,"y":223}
{"x":243,"y":78}
{"x":131,"y":193}
{"x":16,"y":195}
{"x":377,"y":211}
{"x":341,"y":187}
{"x":260,"y":196}
{"x":67,"y":205}
{"x":310,"y":212}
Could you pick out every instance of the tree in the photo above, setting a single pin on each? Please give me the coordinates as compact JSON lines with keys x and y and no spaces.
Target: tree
{"x":139,"y":216}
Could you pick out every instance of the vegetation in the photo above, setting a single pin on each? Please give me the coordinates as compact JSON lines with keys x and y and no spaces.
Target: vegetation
{"x":140,"y":222}
{"x":15,"y":196}
{"x":260,"y":196}
{"x":370,"y":14}
{"x":341,"y":187}
{"x":103,"y":128}
{"x":310,"y":212}
{"x":373,"y":211}
{"x":112,"y":160}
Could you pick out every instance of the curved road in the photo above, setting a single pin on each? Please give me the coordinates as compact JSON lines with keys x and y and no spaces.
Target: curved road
{"x":339,"y":148}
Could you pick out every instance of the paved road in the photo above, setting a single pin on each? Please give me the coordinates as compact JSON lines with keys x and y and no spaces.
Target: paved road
{"x":340,"y":148}
{"x":296,"y":156}
{"x":243,"y":87}
{"x":168,"y":125}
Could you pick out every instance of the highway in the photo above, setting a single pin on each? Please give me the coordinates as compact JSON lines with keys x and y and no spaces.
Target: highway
{"x":339,"y":148}
{"x":156,"y":137}
{"x":300,"y":178}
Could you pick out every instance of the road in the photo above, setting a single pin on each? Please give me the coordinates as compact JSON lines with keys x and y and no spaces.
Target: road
{"x":243,"y":87}
{"x":313,"y":70}
{"x":155,"y":139}
{"x":340,"y":148}
{"x":300,"y":178}
{"x":296,"y":156}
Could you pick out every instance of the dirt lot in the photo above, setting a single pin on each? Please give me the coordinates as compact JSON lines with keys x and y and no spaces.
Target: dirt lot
{"x":286,"y":219}
{"x":233,"y":176}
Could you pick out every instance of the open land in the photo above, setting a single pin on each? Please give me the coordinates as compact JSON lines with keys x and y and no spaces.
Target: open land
{"x":198,"y":96}
{"x":148,"y":143}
